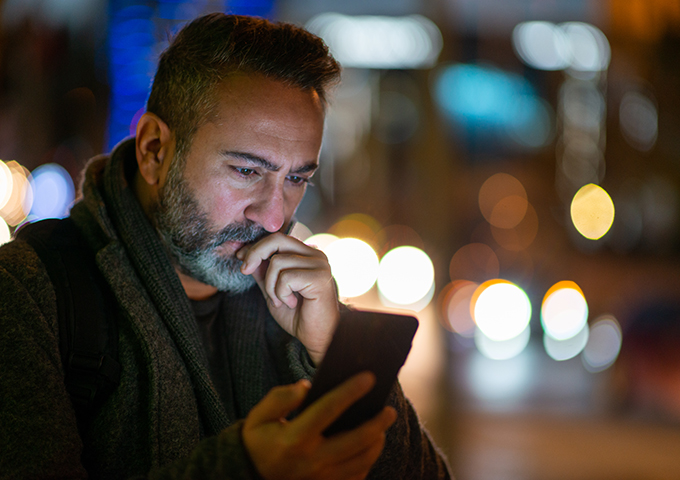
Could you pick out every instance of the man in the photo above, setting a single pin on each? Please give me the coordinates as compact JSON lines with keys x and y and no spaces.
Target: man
{"x":222,"y":317}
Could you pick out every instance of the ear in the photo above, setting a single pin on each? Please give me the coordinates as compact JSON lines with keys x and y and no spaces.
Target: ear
{"x":154,"y":147}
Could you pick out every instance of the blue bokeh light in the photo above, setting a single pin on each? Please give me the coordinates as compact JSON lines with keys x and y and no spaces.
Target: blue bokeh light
{"x":53,"y":192}
{"x":487,"y":101}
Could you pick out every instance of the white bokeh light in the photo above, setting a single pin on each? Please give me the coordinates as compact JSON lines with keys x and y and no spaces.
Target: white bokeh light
{"x":502,"y":350}
{"x":406,"y":275}
{"x":561,"y":350}
{"x":501,"y":310}
{"x":354,"y":265}
{"x":603,"y":346}
{"x":5,"y":234}
{"x":541,"y":45}
{"x":564,"y":311}
{"x":320,"y":240}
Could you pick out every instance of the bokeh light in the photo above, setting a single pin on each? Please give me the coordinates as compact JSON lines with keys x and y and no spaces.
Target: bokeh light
{"x":561,"y":350}
{"x":503,"y":200}
{"x":576,"y":45}
{"x":604,"y":344}
{"x":406,"y":275}
{"x":455,"y":308}
{"x":502,"y":349}
{"x":6,"y":184}
{"x":354,"y":265}
{"x":53,"y":192}
{"x":592,"y":211}
{"x":501,"y":309}
{"x":320,"y":240}
{"x":564,"y":311}
{"x":357,"y":225}
{"x":541,"y":45}
{"x":494,"y":103}
{"x":522,"y":235}
{"x":474,"y":261}
{"x":379,"y":41}
{"x":19,"y":204}
{"x":5,"y":234}
{"x":588,"y":47}
{"x":639,"y":120}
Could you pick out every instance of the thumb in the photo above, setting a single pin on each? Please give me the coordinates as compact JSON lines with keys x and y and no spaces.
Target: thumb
{"x":278,"y":403}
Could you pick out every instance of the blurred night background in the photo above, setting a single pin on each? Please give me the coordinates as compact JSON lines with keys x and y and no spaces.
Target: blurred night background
{"x":507,"y":169}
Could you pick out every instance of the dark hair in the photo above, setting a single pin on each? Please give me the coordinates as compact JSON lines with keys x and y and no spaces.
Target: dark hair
{"x":214,"y":46}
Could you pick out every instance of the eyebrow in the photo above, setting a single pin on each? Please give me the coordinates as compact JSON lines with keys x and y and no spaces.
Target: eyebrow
{"x":266,"y":164}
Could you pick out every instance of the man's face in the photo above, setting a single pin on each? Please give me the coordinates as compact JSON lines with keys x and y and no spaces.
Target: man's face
{"x":245,"y":174}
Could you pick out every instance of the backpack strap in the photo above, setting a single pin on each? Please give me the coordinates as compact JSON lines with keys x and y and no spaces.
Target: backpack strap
{"x":88,"y":334}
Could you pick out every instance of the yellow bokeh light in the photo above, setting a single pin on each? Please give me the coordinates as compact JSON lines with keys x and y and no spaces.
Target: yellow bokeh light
{"x":592,"y":211}
{"x":564,"y":310}
{"x":501,"y":309}
{"x":406,"y":275}
{"x":354,"y":265}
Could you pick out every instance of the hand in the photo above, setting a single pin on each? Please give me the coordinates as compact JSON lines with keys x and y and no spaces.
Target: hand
{"x":298,"y":450}
{"x":296,"y":280}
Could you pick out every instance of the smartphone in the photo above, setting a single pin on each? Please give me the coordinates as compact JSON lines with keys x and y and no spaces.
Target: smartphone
{"x":363,"y":340}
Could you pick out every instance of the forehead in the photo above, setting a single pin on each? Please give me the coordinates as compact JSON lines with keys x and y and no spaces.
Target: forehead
{"x":254,"y":108}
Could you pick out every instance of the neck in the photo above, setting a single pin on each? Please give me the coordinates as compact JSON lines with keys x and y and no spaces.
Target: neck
{"x":194,"y":289}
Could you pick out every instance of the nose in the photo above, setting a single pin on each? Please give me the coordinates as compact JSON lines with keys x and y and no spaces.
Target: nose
{"x":268,"y":209}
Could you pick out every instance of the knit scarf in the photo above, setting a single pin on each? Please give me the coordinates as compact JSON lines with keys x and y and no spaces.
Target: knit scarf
{"x":155,"y":271}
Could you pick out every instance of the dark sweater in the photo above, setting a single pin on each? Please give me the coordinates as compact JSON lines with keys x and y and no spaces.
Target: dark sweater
{"x":165,"y":419}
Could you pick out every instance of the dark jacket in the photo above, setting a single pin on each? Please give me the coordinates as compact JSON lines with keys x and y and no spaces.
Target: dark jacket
{"x":165,"y":419}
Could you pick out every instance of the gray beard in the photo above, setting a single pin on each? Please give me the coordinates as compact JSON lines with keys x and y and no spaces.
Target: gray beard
{"x":185,"y":233}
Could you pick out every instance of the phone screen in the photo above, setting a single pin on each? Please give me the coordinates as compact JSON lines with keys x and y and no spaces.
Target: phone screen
{"x":375,"y":341}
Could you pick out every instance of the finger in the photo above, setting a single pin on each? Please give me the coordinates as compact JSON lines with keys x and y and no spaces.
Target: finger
{"x":360,"y":465}
{"x":351,"y":443}
{"x":278,"y":403}
{"x":290,"y":274}
{"x":323,"y":412}
{"x":269,"y":246}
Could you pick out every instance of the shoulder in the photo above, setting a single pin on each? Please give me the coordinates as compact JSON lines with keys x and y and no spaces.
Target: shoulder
{"x":24,"y":282}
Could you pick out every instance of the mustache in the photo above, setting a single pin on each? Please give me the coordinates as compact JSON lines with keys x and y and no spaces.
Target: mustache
{"x":239,"y":232}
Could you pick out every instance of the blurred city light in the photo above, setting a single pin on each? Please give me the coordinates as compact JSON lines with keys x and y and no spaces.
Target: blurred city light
{"x":379,"y":42}
{"x":354,"y":265}
{"x":53,"y":192}
{"x":5,"y":235}
{"x":474,"y":261}
{"x":320,"y":240}
{"x":6,"y":184}
{"x":19,"y":204}
{"x":356,"y":225}
{"x":501,"y":309}
{"x":588,"y":47}
{"x":575,"y":45}
{"x":457,"y":297}
{"x":406,"y":275}
{"x":604,"y":344}
{"x":566,"y":349}
{"x":564,"y":311}
{"x":639,"y":120}
{"x":503,"y":200}
{"x":521,"y":236}
{"x":541,"y":45}
{"x":495,"y":102}
{"x":502,"y":349}
{"x":592,"y":211}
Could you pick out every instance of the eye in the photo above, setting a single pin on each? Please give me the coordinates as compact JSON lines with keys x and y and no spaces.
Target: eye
{"x":298,"y":180}
{"x":245,"y":171}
